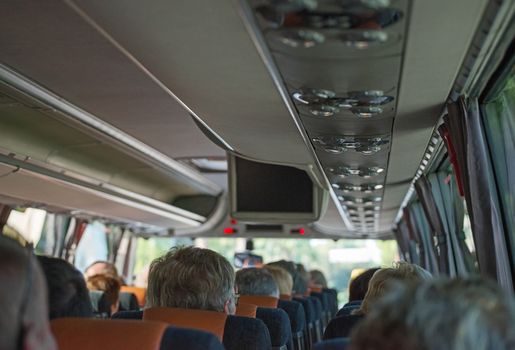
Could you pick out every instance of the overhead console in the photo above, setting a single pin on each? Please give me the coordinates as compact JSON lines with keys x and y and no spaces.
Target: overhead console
{"x":261,"y":192}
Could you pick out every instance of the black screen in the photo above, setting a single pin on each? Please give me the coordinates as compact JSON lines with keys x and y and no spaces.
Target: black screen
{"x":269,"y":188}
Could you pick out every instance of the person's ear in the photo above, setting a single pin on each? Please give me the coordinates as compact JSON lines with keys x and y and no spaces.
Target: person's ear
{"x":229,"y":307}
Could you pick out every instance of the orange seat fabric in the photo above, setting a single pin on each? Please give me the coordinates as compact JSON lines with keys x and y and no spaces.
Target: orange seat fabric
{"x":95,"y":334}
{"x":140,"y":293}
{"x":246,"y":310}
{"x":259,"y":300}
{"x":286,"y":297}
{"x":209,"y":321}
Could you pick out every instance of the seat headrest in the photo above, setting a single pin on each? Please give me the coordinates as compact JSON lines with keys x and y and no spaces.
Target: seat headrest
{"x":246,"y":310}
{"x":286,"y":297}
{"x":209,"y":321}
{"x":316,"y":288}
{"x":87,"y":334}
{"x":140,"y":293}
{"x":259,"y":300}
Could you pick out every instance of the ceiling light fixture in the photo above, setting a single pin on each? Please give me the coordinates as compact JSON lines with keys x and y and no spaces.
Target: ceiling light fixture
{"x":338,"y":144}
{"x":365,"y":188}
{"x":363,"y":39}
{"x":346,"y":171}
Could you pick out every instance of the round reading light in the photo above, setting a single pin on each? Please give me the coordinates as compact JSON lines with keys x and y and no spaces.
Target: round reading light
{"x":302,"y":38}
{"x":346,"y":171}
{"x":369,"y":98}
{"x":365,"y":188}
{"x":310,"y":96}
{"x":323,"y":110}
{"x":366,"y":111}
{"x":363,"y":39}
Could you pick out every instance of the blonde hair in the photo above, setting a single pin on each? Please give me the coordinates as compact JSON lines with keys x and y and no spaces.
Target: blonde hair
{"x":191,"y":278}
{"x":282,"y":278}
{"x":383,"y":278}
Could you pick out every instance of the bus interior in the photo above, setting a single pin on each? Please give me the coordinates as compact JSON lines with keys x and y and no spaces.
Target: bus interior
{"x":338,"y":134}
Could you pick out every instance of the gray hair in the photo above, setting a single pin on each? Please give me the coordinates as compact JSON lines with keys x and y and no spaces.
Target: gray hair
{"x":442,"y":314}
{"x":191,"y":278}
{"x":385,"y":278}
{"x":254,"y":281}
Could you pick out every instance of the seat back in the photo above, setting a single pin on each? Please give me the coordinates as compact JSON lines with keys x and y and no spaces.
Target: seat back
{"x":297,"y":316}
{"x":209,"y":321}
{"x":128,"y":301}
{"x":246,"y":310}
{"x":259,"y":300}
{"x":309,"y":311}
{"x":128,"y":315}
{"x":318,"y":327}
{"x":246,"y":333}
{"x":332,"y":344}
{"x":140,"y":293}
{"x":286,"y":297}
{"x":101,"y":307}
{"x":326,"y":312}
{"x":333,"y":300}
{"x":90,"y":334}
{"x":278,"y":324}
{"x":239,"y":333}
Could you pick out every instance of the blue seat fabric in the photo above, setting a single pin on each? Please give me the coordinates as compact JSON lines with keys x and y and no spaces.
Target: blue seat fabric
{"x":128,"y":302}
{"x":340,"y":327}
{"x":189,"y":339}
{"x":297,"y":317}
{"x":332,"y":344}
{"x":239,"y":333}
{"x":278,"y":324}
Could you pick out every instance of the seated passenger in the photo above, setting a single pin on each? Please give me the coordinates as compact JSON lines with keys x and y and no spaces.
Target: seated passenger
{"x":68,"y":295}
{"x":110,"y":286}
{"x":101,"y":267}
{"x":23,"y":300}
{"x":191,"y":278}
{"x":254,"y":281}
{"x":317,"y":278}
{"x":282,"y":278}
{"x":442,"y":314}
{"x":301,"y":282}
{"x":357,"y":289}
{"x":380,"y":283}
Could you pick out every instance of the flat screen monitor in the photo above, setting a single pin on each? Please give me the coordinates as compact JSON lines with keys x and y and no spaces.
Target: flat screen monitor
{"x":270,"y":193}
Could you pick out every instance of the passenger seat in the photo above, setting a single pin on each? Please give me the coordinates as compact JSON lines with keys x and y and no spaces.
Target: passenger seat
{"x":297,"y":316}
{"x":94,"y":334}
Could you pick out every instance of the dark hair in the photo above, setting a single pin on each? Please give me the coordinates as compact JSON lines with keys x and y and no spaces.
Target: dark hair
{"x":68,"y":295}
{"x":358,"y":286}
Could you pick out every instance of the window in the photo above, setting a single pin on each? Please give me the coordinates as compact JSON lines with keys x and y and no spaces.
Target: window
{"x":499,"y":121}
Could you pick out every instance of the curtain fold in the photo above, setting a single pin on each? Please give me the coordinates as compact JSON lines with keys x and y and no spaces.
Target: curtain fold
{"x":425,"y":195}
{"x":467,"y":136}
{"x":420,"y":220}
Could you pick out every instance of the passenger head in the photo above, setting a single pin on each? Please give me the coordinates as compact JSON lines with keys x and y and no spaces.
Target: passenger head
{"x":282,"y":278}
{"x":301,"y":280}
{"x":254,"y":281}
{"x":455,"y":314}
{"x":101,"y":267}
{"x":316,"y":277}
{"x":384,"y":279}
{"x":23,"y":300}
{"x":68,"y":295}
{"x":358,"y":286}
{"x":191,"y":278}
{"x":110,"y":286}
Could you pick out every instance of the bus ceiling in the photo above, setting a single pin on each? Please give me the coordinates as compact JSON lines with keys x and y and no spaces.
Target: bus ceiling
{"x":109,"y":100}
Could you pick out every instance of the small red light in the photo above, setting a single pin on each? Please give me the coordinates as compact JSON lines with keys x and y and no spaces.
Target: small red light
{"x":229,"y":231}
{"x":302,"y":231}
{"x":234,"y":222}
